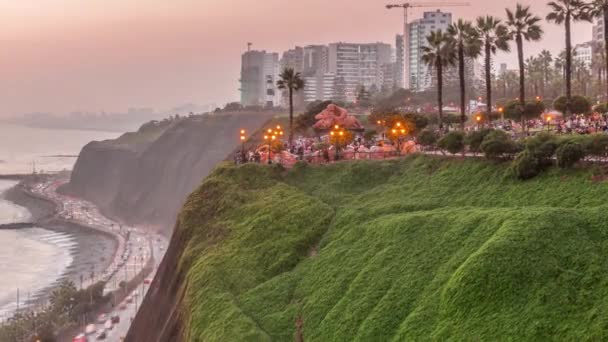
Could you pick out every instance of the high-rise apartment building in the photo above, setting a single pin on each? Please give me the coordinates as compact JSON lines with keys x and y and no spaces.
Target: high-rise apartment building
{"x":259,"y":73}
{"x":420,"y":76}
{"x":598,"y":30}
{"x":321,"y":86}
{"x":399,"y":76}
{"x":315,"y":60}
{"x":294,"y":59}
{"x":358,"y":64}
{"x":583,"y":53}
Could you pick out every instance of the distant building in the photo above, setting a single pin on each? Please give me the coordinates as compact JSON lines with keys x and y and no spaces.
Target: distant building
{"x":583,"y":53}
{"x":259,"y":73}
{"x":320,"y":87}
{"x":358,"y":65}
{"x":598,"y":30}
{"x":420,"y":77}
{"x":315,"y":60}
{"x":399,"y":68}
{"x":294,"y":59}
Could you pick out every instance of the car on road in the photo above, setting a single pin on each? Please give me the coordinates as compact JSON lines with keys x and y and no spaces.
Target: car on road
{"x":115,"y":319}
{"x":108,"y":325}
{"x":129,"y":300}
{"x":102,"y":335}
{"x":101,"y":319}
{"x":80,"y":338}
{"x":90,"y":329}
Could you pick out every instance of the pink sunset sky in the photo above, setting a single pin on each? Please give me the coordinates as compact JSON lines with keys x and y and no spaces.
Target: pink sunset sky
{"x":66,"y":55}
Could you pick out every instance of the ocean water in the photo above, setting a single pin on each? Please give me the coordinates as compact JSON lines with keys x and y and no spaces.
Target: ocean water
{"x":51,"y":150}
{"x":33,"y":259}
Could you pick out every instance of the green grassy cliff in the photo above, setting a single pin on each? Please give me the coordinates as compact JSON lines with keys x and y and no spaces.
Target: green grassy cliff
{"x":417,"y":249}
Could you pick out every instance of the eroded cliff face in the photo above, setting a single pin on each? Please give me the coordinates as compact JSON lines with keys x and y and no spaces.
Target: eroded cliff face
{"x":145,"y":177}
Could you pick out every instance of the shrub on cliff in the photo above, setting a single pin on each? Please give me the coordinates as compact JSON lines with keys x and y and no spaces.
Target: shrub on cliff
{"x":452,"y":142}
{"x":427,"y":138}
{"x":569,"y":154}
{"x":475,"y":138}
{"x":525,"y":165}
{"x":542,"y":146}
{"x":498,"y":145}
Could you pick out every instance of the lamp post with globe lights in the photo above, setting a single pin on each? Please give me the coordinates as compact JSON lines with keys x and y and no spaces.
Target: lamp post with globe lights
{"x":398,"y":132}
{"x":337,"y":135}
{"x":272,"y":135}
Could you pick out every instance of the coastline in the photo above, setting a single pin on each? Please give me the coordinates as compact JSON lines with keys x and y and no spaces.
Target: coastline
{"x":91,"y":247}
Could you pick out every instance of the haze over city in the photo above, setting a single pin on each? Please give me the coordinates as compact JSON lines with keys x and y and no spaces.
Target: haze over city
{"x":66,"y":55}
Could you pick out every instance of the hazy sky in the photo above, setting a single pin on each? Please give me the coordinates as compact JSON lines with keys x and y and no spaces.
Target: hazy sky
{"x":66,"y":55}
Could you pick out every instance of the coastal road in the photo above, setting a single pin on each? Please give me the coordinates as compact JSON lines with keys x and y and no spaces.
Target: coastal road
{"x":126,"y":316}
{"x":136,"y":248}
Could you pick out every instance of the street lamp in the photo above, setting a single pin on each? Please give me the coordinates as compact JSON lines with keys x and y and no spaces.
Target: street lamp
{"x":272,"y":135}
{"x":502,"y":114}
{"x":478,"y":119}
{"x":537,"y":98}
{"x":398,"y":132}
{"x":337,"y":133}
{"x":549,"y":118}
{"x":243,"y":141}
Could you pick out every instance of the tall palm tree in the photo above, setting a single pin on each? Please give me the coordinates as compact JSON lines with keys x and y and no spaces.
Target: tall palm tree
{"x":468,"y":44}
{"x":439,"y":52}
{"x":535,"y":74}
{"x":494,"y":36}
{"x":523,"y":25}
{"x":291,"y":81}
{"x":545,"y":59}
{"x":565,"y":12}
{"x":599,"y":9}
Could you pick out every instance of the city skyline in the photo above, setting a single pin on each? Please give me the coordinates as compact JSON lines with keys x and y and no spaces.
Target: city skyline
{"x":113,"y":55}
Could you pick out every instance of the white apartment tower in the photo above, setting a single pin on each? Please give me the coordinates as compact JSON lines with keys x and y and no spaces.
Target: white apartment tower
{"x":598,"y":30}
{"x":420,"y":76}
{"x":259,"y":73}
{"x":358,"y":64}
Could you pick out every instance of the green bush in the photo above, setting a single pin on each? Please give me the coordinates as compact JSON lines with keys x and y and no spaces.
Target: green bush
{"x":452,"y":142}
{"x":514,"y":110}
{"x":525,"y":165}
{"x":578,"y":105}
{"x":569,"y":154}
{"x":596,"y":145}
{"x":601,"y":108}
{"x":542,"y":146}
{"x":427,"y":138}
{"x":497,"y":145}
{"x":475,"y":138}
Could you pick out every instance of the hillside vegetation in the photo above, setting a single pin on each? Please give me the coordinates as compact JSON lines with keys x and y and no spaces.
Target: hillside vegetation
{"x":416,"y":249}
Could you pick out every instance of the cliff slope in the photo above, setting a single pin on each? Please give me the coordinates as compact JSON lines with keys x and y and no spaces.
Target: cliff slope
{"x":145,"y":176}
{"x":416,"y":249}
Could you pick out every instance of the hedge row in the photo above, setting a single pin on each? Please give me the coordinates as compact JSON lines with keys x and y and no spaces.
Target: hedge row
{"x":530,"y":156}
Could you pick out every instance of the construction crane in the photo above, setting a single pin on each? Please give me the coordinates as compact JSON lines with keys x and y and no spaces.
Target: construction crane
{"x":406,"y":6}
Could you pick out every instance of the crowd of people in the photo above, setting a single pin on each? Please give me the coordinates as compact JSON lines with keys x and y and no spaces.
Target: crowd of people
{"x":321,"y":150}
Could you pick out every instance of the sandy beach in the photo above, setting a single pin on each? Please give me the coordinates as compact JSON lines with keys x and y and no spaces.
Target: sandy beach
{"x":91,"y":250}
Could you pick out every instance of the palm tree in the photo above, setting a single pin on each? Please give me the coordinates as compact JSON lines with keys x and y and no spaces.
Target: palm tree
{"x":599,"y":9}
{"x":291,"y":81}
{"x":468,"y":45}
{"x":565,"y":12}
{"x":523,"y":25}
{"x":545,"y":59}
{"x":438,"y":53}
{"x":494,"y":37}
